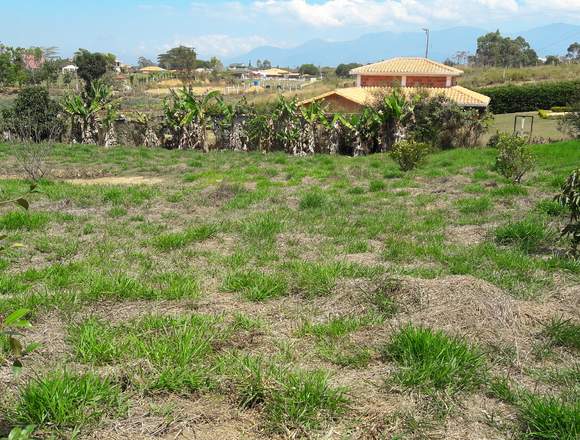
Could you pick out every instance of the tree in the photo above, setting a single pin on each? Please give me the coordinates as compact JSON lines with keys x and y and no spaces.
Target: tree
{"x":266,"y":64}
{"x":552,"y":60}
{"x":12,"y":70}
{"x":309,"y":69}
{"x":216,"y":65}
{"x":91,"y":66}
{"x":574,"y":51}
{"x":495,"y":50}
{"x":144,"y":62}
{"x":343,"y":70}
{"x":179,"y":58}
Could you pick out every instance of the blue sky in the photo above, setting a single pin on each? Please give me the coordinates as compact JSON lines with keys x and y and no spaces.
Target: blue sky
{"x":131,"y":28}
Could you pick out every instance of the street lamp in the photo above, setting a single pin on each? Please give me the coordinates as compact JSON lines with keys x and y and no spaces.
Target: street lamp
{"x":427,"y":45}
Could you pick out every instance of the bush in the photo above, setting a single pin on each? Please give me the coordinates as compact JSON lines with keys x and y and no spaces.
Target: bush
{"x":530,"y":97}
{"x":570,"y":123}
{"x":409,"y":154}
{"x":570,"y":198}
{"x":444,"y":124}
{"x":34,"y":116}
{"x":514,"y":158}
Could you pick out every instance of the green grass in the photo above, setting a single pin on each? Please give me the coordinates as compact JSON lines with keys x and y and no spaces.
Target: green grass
{"x":476,"y":205}
{"x":529,"y":234}
{"x":176,"y":240}
{"x":433,"y":361}
{"x":337,"y":327}
{"x":550,"y":418}
{"x":66,"y":401}
{"x":563,"y":332}
{"x":313,"y":199}
{"x":176,"y":350}
{"x":23,"y":220}
{"x":256,"y":286}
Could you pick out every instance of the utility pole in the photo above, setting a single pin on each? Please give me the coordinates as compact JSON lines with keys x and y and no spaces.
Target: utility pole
{"x":427,"y":45}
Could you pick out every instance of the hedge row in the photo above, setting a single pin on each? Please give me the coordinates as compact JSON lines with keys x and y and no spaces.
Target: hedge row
{"x":532,"y":97}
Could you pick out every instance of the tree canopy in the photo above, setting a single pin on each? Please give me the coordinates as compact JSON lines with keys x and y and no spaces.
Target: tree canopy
{"x":574,"y":51}
{"x":497,"y":51}
{"x":309,"y":69}
{"x":178,"y":58}
{"x":92,"y":65}
{"x":343,"y":70}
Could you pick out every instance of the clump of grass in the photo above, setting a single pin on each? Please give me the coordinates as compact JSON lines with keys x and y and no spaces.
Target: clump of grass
{"x":67,"y":400}
{"x":23,"y":220}
{"x":313,"y":199}
{"x":256,"y":286}
{"x":377,"y":185}
{"x":262,"y":228}
{"x":563,"y":332}
{"x":529,"y":234}
{"x":344,"y":354}
{"x":476,"y":205}
{"x":175,"y":240}
{"x":509,"y":191}
{"x":291,"y":400}
{"x":549,"y":417}
{"x":500,"y":388}
{"x":337,"y":327}
{"x":176,"y":350}
{"x":551,"y":208}
{"x":382,"y":297}
{"x":434,"y":361}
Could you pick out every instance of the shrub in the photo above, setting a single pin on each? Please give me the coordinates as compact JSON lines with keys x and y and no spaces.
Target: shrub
{"x":444,"y":124}
{"x":530,"y":97}
{"x":409,"y":154}
{"x":570,"y":197}
{"x":432,"y":360}
{"x":34,"y":116}
{"x":514,"y":158}
{"x":570,"y":123}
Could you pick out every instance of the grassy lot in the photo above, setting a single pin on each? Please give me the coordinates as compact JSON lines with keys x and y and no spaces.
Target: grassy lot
{"x":182,"y":295}
{"x":546,"y":129}
{"x":488,"y":76}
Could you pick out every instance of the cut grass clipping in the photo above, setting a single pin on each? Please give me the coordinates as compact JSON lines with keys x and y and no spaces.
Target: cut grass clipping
{"x":66,"y":400}
{"x":432,"y":361}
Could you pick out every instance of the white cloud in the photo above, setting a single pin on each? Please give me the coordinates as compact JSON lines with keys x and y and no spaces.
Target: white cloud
{"x":220,"y":45}
{"x":337,"y":13}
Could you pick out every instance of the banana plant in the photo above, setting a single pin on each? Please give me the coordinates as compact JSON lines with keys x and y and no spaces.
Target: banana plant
{"x":147,"y":135}
{"x":261,"y":131}
{"x":287,"y":124}
{"x":83,"y":110}
{"x":230,"y":125}
{"x":314,"y":117}
{"x":394,"y":111}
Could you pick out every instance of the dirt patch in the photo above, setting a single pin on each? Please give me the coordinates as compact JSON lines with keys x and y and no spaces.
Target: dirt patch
{"x":128,"y":180}
{"x":461,"y":305}
{"x":466,"y":235}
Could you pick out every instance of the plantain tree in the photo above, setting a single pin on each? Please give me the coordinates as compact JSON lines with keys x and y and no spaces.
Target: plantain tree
{"x":187,"y":117}
{"x":146,"y":134}
{"x":84,"y":110}
{"x":395,"y":113}
{"x":230,"y":125}
{"x":287,"y":125}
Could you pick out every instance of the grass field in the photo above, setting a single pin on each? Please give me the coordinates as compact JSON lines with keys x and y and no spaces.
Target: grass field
{"x":178,"y":295}
{"x":546,"y":129}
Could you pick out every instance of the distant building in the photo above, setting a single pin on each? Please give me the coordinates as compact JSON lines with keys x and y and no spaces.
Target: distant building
{"x":71,"y":69}
{"x":411,"y":75}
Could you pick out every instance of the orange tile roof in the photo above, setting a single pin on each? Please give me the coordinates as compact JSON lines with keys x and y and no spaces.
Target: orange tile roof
{"x":365,"y":95}
{"x":409,"y":66}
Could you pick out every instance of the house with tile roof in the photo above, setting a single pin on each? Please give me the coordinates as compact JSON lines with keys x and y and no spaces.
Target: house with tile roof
{"x":411,"y":75}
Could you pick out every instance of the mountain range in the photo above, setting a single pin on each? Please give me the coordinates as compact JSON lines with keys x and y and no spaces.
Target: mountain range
{"x":552,"y":39}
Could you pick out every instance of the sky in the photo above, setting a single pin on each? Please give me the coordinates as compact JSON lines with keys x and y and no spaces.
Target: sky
{"x":226,"y":29}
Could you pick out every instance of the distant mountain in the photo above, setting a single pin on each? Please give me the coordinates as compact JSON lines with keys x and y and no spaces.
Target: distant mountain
{"x":547,"y":40}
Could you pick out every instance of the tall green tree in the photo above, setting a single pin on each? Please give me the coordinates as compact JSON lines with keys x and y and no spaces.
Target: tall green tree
{"x":179,"y":58}
{"x":495,"y":50}
{"x":92,"y":66}
{"x":343,"y":70}
{"x":309,"y":69}
{"x":574,"y":51}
